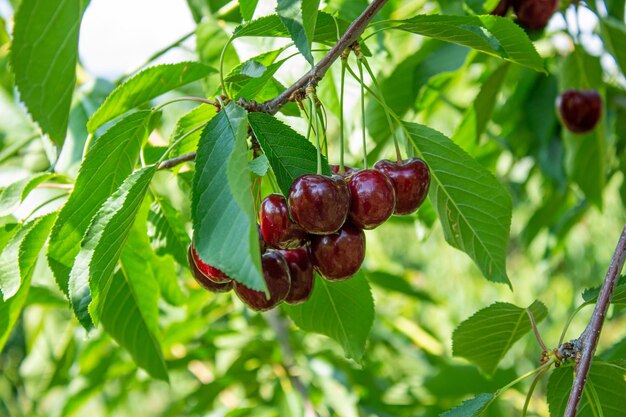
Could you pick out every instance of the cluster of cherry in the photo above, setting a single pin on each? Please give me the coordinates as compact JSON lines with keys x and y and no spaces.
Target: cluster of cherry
{"x":319,"y":227}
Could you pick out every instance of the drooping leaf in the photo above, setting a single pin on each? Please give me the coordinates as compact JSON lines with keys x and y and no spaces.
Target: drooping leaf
{"x":144,"y":86}
{"x":188,"y":142}
{"x":608,"y":381}
{"x":13,"y":194}
{"x":473,"y":407}
{"x":487,"y":336}
{"x":343,"y":311}
{"x":43,"y":58}
{"x":493,"y":35}
{"x":102,"y":245}
{"x":108,"y":162}
{"x":473,"y":207}
{"x":289,"y":153}
{"x":300,"y":17}
{"x":167,"y":231}
{"x":32,"y":236}
{"x":224,"y":219}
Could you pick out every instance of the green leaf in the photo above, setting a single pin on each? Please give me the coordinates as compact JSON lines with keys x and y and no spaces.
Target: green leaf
{"x":222,"y":209}
{"x":167,"y":231}
{"x":43,"y":58}
{"x":473,"y":207}
{"x":13,"y":194}
{"x":590,"y":295}
{"x":196,"y":117}
{"x":259,"y":165}
{"x":493,"y":35}
{"x":254,"y":67}
{"x":396,"y":283}
{"x":289,"y":153}
{"x":343,"y":311}
{"x":487,"y":336}
{"x":300,"y":17}
{"x":247,"y":8}
{"x":614,"y":36}
{"x":471,"y":408}
{"x":102,"y":246}
{"x":31,"y":237}
{"x":144,"y":86}
{"x":45,"y":296}
{"x":251,"y":89}
{"x":605,"y":378}
{"x":108,"y":162}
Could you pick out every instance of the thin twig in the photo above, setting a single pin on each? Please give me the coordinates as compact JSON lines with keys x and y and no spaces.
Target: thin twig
{"x":170,"y":163}
{"x":589,"y":338}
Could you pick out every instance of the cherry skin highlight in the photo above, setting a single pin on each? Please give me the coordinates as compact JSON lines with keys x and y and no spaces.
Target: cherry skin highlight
{"x":209,"y":271}
{"x":203,"y":280}
{"x":319,"y":204}
{"x":372,"y":198}
{"x":410,"y":179}
{"x":277,"y":279}
{"x":302,"y":275}
{"x":580,"y":111}
{"x":276,"y":226}
{"x":534,"y":14}
{"x":338,"y":256}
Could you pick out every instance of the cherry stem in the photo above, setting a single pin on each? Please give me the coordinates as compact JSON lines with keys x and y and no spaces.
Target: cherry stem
{"x":362,"y":58}
{"x":533,"y":324}
{"x":342,"y":169}
{"x":311,"y":97}
{"x":322,"y":120}
{"x":362,"y":79}
{"x":533,"y":385}
{"x":569,"y":321}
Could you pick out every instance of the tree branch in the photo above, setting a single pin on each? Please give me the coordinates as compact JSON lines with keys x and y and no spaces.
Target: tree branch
{"x":588,"y":340}
{"x":310,"y":78}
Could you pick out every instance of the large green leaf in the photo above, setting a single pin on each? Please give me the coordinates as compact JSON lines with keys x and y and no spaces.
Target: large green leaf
{"x":606,"y":379}
{"x":13,"y":194}
{"x":614,"y":38}
{"x":224,"y":219}
{"x":493,"y":35}
{"x":473,"y":207}
{"x":487,"y":336}
{"x":289,"y":153}
{"x":167,"y":231}
{"x":109,"y":161}
{"x":30,"y":239}
{"x":188,"y":142}
{"x":343,"y":311}
{"x":43,"y":57}
{"x":473,"y":407}
{"x":144,"y":86}
{"x":102,"y":245}
{"x":300,"y":17}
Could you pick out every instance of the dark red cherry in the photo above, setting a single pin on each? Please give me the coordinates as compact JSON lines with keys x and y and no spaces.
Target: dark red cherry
{"x":276,"y":276}
{"x":410,"y":179}
{"x":262,"y":243}
{"x":501,"y":8}
{"x":210,"y":272}
{"x":319,"y":204}
{"x":372,"y":198}
{"x":203,"y":280}
{"x":346,"y":170}
{"x":579,"y":111}
{"x":302,"y":275}
{"x":276,"y":226}
{"x":534,"y":14}
{"x":340,"y":255}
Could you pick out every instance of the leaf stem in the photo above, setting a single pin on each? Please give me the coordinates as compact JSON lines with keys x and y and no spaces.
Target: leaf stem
{"x":569,"y":321}
{"x":533,"y":324}
{"x":532,"y":389}
{"x":177,"y":141}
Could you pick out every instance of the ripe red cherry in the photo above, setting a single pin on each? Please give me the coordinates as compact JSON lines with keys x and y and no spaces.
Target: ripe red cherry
{"x":276,"y":226}
{"x":410,"y":179}
{"x":210,"y":272}
{"x":276,"y":276}
{"x":501,"y":8}
{"x":340,"y":255}
{"x":372,"y":198}
{"x":302,"y":275}
{"x":203,"y":280}
{"x":319,"y":204}
{"x":346,"y":170}
{"x":580,"y":110}
{"x":262,"y":243}
{"x":534,"y":14}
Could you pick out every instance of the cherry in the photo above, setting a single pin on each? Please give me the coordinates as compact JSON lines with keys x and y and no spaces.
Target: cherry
{"x":276,"y":276}
{"x":276,"y":226}
{"x":410,"y":179}
{"x":262,"y":243}
{"x":501,"y":8}
{"x":373,"y":198}
{"x":534,"y":14}
{"x":579,"y":110}
{"x":302,"y":275}
{"x":207,"y":270}
{"x":319,"y":204}
{"x":338,"y":256}
{"x":204,"y":281}
{"x":346,"y":170}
